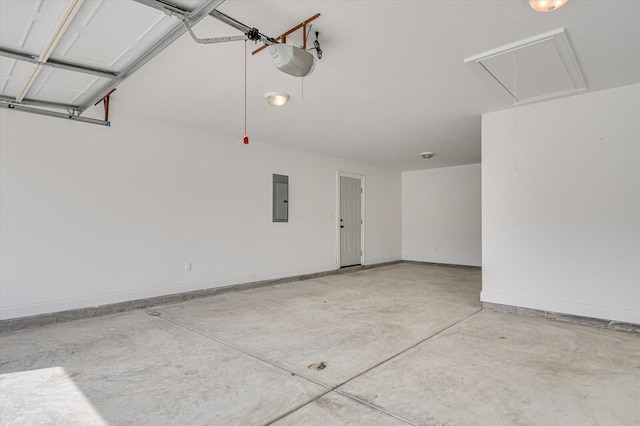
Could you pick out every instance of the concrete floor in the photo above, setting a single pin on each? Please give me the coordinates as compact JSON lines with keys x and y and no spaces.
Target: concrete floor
{"x":401,"y":344}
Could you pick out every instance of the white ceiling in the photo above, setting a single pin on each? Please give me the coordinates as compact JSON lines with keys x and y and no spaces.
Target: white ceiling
{"x":391,"y":84}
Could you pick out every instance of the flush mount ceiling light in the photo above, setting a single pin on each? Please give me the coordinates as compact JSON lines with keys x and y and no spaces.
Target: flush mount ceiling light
{"x":276,"y":98}
{"x":546,"y":5}
{"x":427,"y":155}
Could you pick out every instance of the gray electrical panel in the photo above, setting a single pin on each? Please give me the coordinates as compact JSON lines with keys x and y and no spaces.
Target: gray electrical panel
{"x":280,"y":198}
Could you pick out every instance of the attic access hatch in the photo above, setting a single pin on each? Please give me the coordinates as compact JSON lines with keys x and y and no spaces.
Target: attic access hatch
{"x":534,"y":69}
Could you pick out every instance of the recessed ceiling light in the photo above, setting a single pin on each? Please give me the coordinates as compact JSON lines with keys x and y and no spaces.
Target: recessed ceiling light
{"x":427,"y":155}
{"x":276,"y":98}
{"x":546,"y":5}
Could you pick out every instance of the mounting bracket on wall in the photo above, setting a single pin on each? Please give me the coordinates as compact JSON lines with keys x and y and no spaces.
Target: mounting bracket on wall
{"x":105,"y":101}
{"x":283,"y":37}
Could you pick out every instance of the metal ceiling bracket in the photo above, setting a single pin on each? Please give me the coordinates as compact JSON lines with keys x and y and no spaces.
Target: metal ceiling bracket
{"x":105,"y":101}
{"x":68,"y":116}
{"x":252,"y":33}
{"x":283,"y":37}
{"x":43,"y":104}
{"x":213,"y":39}
{"x":173,"y":10}
{"x":32,"y":59}
{"x":166,"y":7}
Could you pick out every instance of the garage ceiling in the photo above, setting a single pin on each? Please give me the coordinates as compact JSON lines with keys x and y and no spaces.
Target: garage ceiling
{"x":392,"y":81}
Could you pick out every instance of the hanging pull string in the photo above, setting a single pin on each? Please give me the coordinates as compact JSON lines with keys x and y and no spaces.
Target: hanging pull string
{"x":515,"y":76}
{"x":245,"y":138}
{"x":515,"y":115}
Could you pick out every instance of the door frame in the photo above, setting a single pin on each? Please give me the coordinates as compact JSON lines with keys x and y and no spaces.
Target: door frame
{"x":361,"y":178}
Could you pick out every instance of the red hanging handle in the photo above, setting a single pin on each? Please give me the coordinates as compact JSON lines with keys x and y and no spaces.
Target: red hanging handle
{"x":246,"y":138}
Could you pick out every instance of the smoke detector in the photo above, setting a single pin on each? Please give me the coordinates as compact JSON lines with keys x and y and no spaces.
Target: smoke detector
{"x":427,"y":155}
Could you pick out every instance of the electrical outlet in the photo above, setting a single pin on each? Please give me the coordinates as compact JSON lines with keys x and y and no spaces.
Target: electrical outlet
{"x":188,"y":266}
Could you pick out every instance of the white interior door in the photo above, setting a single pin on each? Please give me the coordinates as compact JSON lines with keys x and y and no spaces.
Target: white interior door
{"x":350,"y":221}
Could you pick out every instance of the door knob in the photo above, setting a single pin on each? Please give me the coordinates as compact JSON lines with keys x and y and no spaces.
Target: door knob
{"x":341,"y":226}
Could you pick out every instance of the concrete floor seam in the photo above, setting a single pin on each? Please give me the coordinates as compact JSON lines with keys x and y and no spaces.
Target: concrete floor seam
{"x":375,"y":407}
{"x":293,"y":373}
{"x":330,"y":388}
{"x":234,"y":359}
{"x":293,"y":410}
{"x":407,"y":349}
{"x":368,"y":404}
{"x":347,"y":396}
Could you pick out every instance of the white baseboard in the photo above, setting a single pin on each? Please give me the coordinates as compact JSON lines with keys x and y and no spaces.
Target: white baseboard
{"x":378,"y":260}
{"x":608,"y":313}
{"x":444,"y":260}
{"x":60,"y":305}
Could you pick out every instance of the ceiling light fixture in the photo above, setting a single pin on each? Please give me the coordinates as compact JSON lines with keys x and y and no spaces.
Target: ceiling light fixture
{"x":427,"y":155}
{"x":276,"y":98}
{"x":546,"y":5}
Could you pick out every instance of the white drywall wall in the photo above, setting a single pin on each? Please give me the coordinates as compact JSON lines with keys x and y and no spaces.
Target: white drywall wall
{"x":94,"y":215}
{"x":441,"y":215}
{"x":561,"y":205}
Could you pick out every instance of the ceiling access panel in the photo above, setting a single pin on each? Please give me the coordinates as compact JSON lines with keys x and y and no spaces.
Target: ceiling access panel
{"x":534,"y":69}
{"x":532,"y":72}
